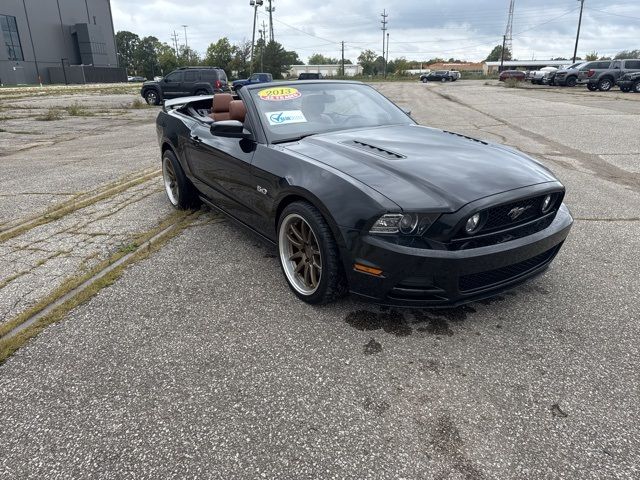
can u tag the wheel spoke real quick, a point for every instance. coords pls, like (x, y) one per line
(296, 256)
(299, 267)
(314, 276)
(307, 275)
(295, 242)
(294, 231)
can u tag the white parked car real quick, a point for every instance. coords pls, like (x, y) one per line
(540, 77)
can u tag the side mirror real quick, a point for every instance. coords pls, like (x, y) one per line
(230, 129)
(408, 112)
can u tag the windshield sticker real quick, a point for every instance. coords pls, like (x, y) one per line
(279, 94)
(286, 117)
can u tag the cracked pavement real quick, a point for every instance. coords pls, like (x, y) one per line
(199, 362)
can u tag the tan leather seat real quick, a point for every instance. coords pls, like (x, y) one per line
(220, 107)
(237, 111)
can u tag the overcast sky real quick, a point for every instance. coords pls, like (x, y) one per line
(418, 29)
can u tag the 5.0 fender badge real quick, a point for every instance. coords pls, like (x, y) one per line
(262, 190)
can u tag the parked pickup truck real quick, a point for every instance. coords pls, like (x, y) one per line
(630, 82)
(255, 78)
(604, 74)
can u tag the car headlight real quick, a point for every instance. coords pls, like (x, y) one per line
(404, 223)
(473, 224)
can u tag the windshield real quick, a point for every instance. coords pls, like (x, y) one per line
(294, 111)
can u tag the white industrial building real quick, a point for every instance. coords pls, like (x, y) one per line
(326, 70)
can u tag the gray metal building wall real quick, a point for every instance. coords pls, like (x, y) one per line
(51, 30)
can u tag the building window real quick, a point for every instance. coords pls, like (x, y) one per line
(11, 37)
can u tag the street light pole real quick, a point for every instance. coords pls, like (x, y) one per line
(575, 51)
(504, 42)
(186, 42)
(255, 4)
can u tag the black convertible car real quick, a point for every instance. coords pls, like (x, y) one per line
(359, 198)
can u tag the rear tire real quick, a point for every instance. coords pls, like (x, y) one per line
(443, 80)
(200, 93)
(309, 255)
(636, 87)
(605, 84)
(152, 97)
(181, 193)
(592, 87)
(424, 80)
(625, 89)
(571, 82)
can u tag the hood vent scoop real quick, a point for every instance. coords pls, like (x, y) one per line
(464, 136)
(381, 152)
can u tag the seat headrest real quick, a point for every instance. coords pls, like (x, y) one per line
(221, 102)
(237, 110)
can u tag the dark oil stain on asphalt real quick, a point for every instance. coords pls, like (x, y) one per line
(372, 347)
(435, 322)
(447, 442)
(378, 408)
(391, 322)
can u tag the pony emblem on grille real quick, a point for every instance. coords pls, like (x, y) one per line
(517, 212)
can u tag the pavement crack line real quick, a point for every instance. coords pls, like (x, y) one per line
(77, 203)
(55, 307)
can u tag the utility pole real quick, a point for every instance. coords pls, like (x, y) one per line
(343, 72)
(255, 4)
(186, 42)
(386, 60)
(271, 9)
(504, 41)
(575, 51)
(263, 33)
(175, 42)
(384, 22)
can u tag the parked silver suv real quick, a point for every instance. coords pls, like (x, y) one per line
(602, 75)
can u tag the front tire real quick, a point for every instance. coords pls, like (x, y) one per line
(625, 89)
(181, 193)
(636, 87)
(201, 93)
(309, 255)
(571, 82)
(424, 80)
(592, 87)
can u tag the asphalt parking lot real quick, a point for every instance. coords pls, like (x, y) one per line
(198, 362)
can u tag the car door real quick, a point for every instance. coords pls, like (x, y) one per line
(189, 80)
(172, 85)
(223, 168)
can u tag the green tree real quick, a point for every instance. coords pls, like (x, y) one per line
(188, 57)
(496, 54)
(319, 59)
(400, 66)
(627, 54)
(220, 54)
(167, 59)
(367, 60)
(239, 65)
(591, 56)
(277, 60)
(127, 43)
(146, 57)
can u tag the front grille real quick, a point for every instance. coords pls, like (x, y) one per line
(508, 222)
(484, 280)
(498, 217)
(503, 237)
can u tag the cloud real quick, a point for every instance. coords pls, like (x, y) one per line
(466, 29)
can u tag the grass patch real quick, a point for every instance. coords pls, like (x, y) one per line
(512, 83)
(58, 211)
(52, 115)
(180, 220)
(138, 104)
(77, 110)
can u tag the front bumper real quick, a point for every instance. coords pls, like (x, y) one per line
(625, 83)
(442, 278)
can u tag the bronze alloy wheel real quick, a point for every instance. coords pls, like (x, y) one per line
(300, 254)
(170, 182)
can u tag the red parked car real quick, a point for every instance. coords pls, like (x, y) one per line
(517, 74)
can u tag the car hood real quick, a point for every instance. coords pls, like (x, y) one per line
(151, 82)
(424, 169)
